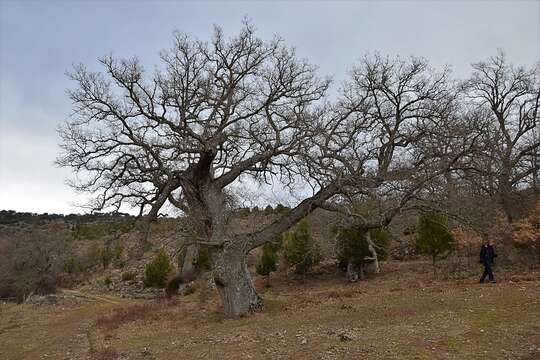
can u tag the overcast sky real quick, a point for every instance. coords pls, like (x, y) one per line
(40, 40)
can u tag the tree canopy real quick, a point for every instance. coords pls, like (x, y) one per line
(215, 113)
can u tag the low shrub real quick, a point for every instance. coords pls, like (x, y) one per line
(299, 248)
(72, 265)
(268, 260)
(353, 245)
(155, 273)
(433, 237)
(128, 276)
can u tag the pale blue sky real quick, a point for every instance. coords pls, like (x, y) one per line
(39, 40)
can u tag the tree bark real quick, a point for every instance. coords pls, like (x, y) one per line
(361, 272)
(371, 247)
(233, 281)
(509, 205)
(506, 192)
(352, 272)
(188, 267)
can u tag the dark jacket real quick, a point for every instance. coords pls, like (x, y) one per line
(487, 254)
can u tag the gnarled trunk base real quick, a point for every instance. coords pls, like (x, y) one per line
(233, 281)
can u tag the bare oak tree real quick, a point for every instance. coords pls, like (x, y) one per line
(244, 108)
(413, 133)
(508, 97)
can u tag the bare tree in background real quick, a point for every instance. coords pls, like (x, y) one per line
(508, 97)
(414, 137)
(244, 108)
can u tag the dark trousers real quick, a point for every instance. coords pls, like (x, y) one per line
(487, 272)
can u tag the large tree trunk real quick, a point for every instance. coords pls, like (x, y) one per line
(508, 199)
(508, 205)
(233, 281)
(188, 270)
(231, 275)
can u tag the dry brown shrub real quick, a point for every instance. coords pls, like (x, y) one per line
(526, 235)
(527, 230)
(129, 313)
(465, 239)
(31, 262)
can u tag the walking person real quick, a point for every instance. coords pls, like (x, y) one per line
(487, 255)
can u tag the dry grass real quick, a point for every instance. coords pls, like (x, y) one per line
(400, 314)
(151, 310)
(104, 354)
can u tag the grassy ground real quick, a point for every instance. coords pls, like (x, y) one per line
(400, 314)
(50, 331)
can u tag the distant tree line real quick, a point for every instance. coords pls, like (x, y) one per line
(8, 217)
